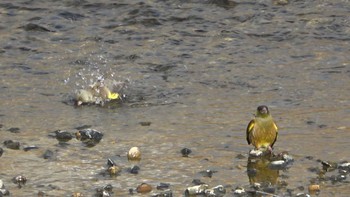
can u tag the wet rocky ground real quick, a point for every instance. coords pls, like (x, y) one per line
(194, 73)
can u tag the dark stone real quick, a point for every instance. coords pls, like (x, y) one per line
(63, 136)
(207, 173)
(145, 123)
(185, 152)
(28, 148)
(35, 27)
(20, 180)
(1, 151)
(167, 193)
(48, 154)
(110, 162)
(240, 156)
(197, 182)
(12, 145)
(13, 130)
(90, 137)
(163, 186)
(83, 127)
(134, 169)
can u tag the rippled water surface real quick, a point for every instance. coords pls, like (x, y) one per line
(196, 70)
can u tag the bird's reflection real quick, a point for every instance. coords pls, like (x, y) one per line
(259, 171)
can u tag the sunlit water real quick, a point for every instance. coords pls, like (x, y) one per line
(196, 70)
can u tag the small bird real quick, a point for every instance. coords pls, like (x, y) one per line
(262, 131)
(94, 95)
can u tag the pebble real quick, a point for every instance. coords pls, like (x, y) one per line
(12, 144)
(134, 169)
(344, 166)
(105, 191)
(144, 188)
(77, 194)
(90, 137)
(256, 153)
(63, 136)
(313, 189)
(279, 164)
(14, 130)
(217, 191)
(207, 173)
(163, 186)
(4, 192)
(48, 154)
(166, 193)
(114, 170)
(145, 123)
(31, 147)
(20, 180)
(195, 190)
(185, 152)
(239, 191)
(134, 154)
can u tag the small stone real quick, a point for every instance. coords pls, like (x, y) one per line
(20, 180)
(63, 136)
(166, 193)
(48, 154)
(77, 194)
(134, 154)
(279, 164)
(13, 130)
(240, 156)
(208, 173)
(344, 166)
(90, 137)
(302, 195)
(239, 191)
(1, 184)
(195, 190)
(28, 148)
(114, 170)
(217, 191)
(41, 194)
(185, 152)
(106, 191)
(287, 158)
(197, 182)
(110, 162)
(280, 2)
(163, 186)
(1, 151)
(12, 144)
(134, 169)
(145, 123)
(328, 166)
(256, 153)
(144, 188)
(313, 189)
(4, 192)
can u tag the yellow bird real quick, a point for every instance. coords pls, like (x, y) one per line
(262, 131)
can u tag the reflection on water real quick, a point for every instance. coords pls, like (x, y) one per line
(194, 69)
(259, 171)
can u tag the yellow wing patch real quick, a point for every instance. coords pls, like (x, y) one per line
(275, 126)
(113, 96)
(249, 129)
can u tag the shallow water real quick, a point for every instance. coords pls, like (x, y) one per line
(196, 70)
